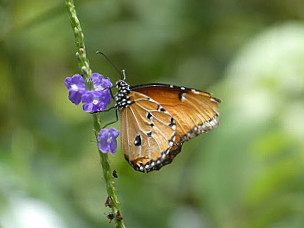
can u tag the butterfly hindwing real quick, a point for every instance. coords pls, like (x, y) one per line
(148, 132)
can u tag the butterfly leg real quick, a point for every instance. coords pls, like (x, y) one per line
(109, 109)
(111, 93)
(112, 121)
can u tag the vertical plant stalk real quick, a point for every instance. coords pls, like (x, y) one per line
(85, 68)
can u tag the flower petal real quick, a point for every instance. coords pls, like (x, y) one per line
(68, 82)
(107, 139)
(87, 97)
(113, 146)
(103, 146)
(114, 132)
(107, 83)
(88, 107)
(75, 97)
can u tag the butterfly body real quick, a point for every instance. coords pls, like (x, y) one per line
(156, 119)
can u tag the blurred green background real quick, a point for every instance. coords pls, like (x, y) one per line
(248, 173)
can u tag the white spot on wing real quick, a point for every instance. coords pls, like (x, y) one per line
(214, 100)
(183, 98)
(195, 91)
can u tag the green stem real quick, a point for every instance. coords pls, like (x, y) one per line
(79, 41)
(85, 68)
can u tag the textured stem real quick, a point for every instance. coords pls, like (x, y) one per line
(85, 68)
(79, 41)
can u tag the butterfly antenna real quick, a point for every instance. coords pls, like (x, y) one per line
(124, 74)
(113, 65)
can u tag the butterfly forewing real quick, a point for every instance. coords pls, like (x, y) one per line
(148, 132)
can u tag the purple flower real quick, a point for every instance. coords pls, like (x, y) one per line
(76, 86)
(100, 83)
(107, 140)
(95, 101)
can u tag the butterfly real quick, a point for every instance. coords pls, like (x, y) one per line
(156, 119)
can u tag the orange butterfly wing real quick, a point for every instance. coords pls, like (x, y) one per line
(147, 132)
(194, 112)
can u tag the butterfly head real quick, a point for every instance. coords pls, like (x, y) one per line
(122, 85)
(121, 98)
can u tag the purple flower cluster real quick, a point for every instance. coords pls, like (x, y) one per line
(93, 100)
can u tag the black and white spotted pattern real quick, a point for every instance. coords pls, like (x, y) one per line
(122, 100)
(150, 138)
